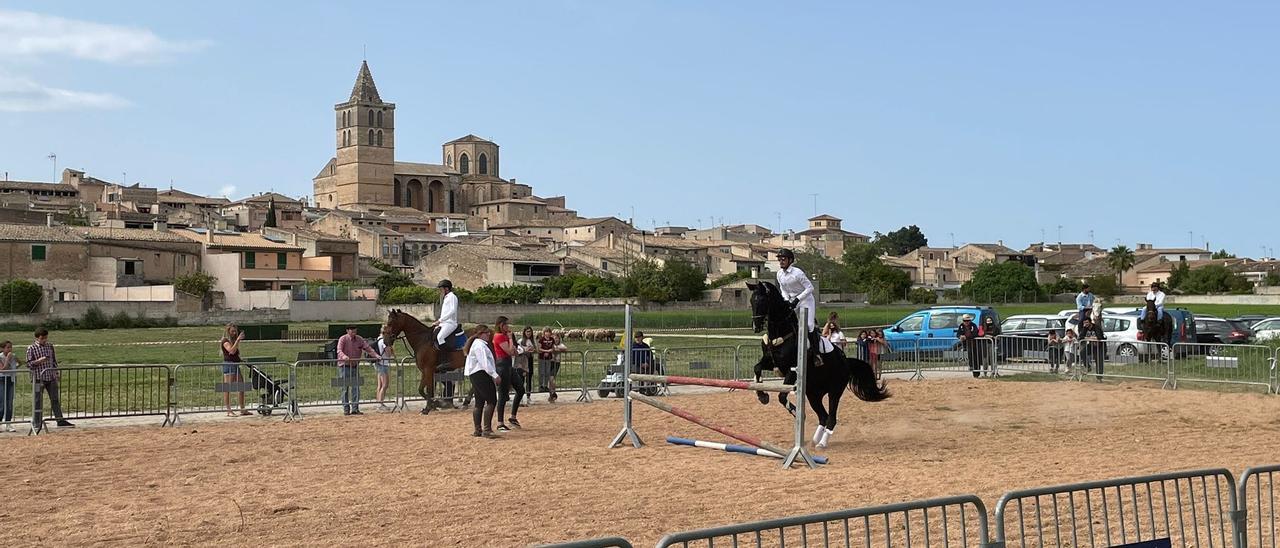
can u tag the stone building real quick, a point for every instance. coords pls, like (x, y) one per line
(365, 175)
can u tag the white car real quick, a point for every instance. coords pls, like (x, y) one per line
(1122, 335)
(1267, 329)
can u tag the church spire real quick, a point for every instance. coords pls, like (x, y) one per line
(365, 90)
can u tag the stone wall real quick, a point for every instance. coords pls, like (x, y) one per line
(1172, 300)
(426, 313)
(332, 311)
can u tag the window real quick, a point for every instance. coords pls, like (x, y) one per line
(370, 119)
(911, 324)
(37, 252)
(346, 139)
(1012, 324)
(250, 259)
(1036, 323)
(386, 250)
(464, 164)
(379, 118)
(282, 261)
(1114, 324)
(379, 137)
(344, 118)
(371, 137)
(484, 164)
(448, 160)
(395, 250)
(130, 268)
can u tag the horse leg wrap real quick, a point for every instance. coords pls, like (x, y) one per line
(818, 434)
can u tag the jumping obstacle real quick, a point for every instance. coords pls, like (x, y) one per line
(686, 415)
(730, 448)
(740, 385)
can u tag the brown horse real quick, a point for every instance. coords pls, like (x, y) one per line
(421, 338)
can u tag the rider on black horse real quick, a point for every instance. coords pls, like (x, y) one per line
(798, 291)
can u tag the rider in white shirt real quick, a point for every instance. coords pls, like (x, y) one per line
(448, 320)
(796, 288)
(1158, 296)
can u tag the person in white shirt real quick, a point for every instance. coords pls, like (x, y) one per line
(483, 373)
(386, 348)
(448, 320)
(1158, 297)
(796, 288)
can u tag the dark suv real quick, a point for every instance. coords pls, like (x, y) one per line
(1220, 331)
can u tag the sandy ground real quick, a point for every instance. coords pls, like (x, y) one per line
(410, 479)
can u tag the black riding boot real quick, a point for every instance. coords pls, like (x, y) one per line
(815, 349)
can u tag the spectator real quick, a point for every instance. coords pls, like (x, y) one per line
(831, 331)
(1070, 345)
(43, 363)
(1084, 302)
(386, 348)
(526, 349)
(548, 362)
(864, 346)
(989, 329)
(1054, 346)
(230, 346)
(352, 347)
(8, 365)
(504, 351)
(482, 372)
(641, 355)
(876, 346)
(967, 334)
(1094, 346)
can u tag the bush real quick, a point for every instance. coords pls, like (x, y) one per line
(729, 278)
(19, 297)
(508, 294)
(577, 285)
(993, 281)
(381, 265)
(921, 295)
(121, 320)
(196, 283)
(391, 280)
(1104, 286)
(880, 296)
(1215, 278)
(1060, 286)
(410, 295)
(94, 319)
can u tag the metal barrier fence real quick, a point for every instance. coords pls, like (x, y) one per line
(958, 521)
(1032, 355)
(114, 391)
(1243, 364)
(950, 354)
(263, 387)
(1259, 525)
(324, 383)
(17, 399)
(1122, 359)
(1196, 508)
(712, 362)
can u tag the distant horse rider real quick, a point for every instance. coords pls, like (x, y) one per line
(1084, 303)
(796, 288)
(448, 321)
(1155, 296)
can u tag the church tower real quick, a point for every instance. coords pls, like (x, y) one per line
(364, 170)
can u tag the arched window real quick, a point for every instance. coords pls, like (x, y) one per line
(371, 136)
(464, 164)
(448, 160)
(396, 194)
(344, 118)
(379, 137)
(379, 118)
(369, 121)
(484, 164)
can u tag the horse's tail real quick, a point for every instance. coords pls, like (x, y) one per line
(863, 382)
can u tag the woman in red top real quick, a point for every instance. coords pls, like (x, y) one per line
(504, 349)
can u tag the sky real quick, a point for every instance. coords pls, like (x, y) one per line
(1110, 122)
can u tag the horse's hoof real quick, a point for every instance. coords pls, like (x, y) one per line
(763, 397)
(426, 411)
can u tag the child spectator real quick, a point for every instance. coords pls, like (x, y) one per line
(8, 366)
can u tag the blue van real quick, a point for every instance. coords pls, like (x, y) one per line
(934, 327)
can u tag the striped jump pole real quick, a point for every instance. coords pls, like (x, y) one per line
(740, 385)
(686, 415)
(730, 448)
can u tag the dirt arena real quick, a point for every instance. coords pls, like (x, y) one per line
(409, 479)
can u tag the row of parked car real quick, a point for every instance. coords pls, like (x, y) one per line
(934, 328)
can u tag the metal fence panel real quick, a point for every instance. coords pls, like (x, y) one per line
(18, 397)
(1122, 359)
(203, 388)
(1194, 508)
(951, 521)
(89, 392)
(1259, 499)
(711, 362)
(322, 383)
(1242, 364)
(950, 354)
(1030, 355)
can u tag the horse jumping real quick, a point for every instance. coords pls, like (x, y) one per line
(773, 316)
(421, 339)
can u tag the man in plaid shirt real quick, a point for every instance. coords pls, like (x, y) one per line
(43, 364)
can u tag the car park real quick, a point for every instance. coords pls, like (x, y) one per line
(1210, 330)
(1268, 329)
(933, 328)
(1028, 333)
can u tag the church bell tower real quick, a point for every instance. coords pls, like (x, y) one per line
(364, 172)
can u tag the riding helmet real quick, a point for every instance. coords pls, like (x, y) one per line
(445, 284)
(786, 254)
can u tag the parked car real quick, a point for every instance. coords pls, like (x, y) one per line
(1211, 330)
(1028, 332)
(1184, 324)
(1267, 329)
(1249, 319)
(933, 328)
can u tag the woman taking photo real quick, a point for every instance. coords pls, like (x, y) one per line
(230, 346)
(482, 373)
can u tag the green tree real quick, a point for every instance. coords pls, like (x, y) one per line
(1222, 254)
(391, 280)
(1001, 280)
(1104, 286)
(196, 283)
(1062, 285)
(1178, 276)
(508, 294)
(20, 297)
(410, 294)
(1120, 259)
(901, 241)
(684, 281)
(1215, 278)
(1273, 279)
(921, 295)
(644, 281)
(866, 273)
(827, 274)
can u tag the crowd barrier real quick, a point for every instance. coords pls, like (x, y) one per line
(266, 389)
(20, 388)
(1192, 508)
(113, 391)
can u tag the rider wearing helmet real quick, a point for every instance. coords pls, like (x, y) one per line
(448, 320)
(1156, 296)
(796, 288)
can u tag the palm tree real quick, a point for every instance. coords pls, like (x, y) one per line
(1120, 259)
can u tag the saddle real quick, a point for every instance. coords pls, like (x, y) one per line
(450, 343)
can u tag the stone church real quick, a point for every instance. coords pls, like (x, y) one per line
(366, 176)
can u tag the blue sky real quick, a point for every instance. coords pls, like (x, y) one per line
(977, 121)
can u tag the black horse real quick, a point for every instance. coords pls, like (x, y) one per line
(1154, 330)
(774, 316)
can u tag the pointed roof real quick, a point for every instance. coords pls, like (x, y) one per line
(470, 138)
(365, 90)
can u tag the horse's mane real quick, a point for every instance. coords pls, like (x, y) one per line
(412, 319)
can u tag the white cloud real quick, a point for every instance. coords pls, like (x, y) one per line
(19, 94)
(227, 191)
(28, 34)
